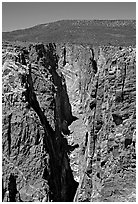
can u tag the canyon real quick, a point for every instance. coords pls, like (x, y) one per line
(69, 123)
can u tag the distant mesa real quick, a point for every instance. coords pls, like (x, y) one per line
(95, 32)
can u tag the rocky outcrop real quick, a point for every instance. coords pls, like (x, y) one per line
(101, 83)
(35, 149)
(39, 134)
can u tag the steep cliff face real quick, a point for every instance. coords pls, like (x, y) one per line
(101, 83)
(36, 115)
(45, 149)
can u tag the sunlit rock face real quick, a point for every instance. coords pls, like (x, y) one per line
(36, 116)
(101, 83)
(69, 116)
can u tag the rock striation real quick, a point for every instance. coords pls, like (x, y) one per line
(69, 123)
(35, 108)
(103, 90)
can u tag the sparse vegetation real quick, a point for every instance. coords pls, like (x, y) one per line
(96, 32)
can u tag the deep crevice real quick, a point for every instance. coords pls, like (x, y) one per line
(61, 182)
(9, 134)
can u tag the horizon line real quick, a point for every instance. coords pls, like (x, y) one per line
(69, 20)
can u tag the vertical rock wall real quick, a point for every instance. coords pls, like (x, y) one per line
(104, 90)
(100, 83)
(35, 108)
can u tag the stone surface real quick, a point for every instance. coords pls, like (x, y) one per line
(106, 98)
(35, 105)
(38, 125)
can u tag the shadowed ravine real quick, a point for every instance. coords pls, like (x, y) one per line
(69, 123)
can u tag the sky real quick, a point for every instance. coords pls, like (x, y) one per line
(19, 15)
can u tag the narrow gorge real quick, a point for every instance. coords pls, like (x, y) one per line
(69, 123)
